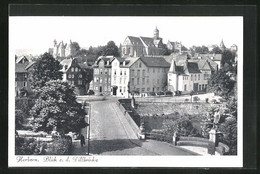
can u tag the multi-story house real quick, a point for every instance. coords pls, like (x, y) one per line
(22, 68)
(102, 75)
(174, 46)
(139, 74)
(74, 74)
(142, 46)
(193, 75)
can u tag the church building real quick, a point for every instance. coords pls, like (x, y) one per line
(142, 46)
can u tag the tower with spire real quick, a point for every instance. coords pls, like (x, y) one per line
(156, 33)
(222, 45)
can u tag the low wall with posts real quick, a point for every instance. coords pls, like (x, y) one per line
(129, 119)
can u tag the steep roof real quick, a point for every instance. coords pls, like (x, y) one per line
(192, 67)
(155, 62)
(214, 57)
(64, 63)
(20, 67)
(19, 59)
(176, 69)
(29, 65)
(129, 61)
(148, 41)
(84, 66)
(105, 59)
(135, 40)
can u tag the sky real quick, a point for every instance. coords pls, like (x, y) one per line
(36, 34)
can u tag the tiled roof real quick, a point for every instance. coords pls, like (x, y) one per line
(135, 40)
(155, 62)
(65, 62)
(84, 66)
(193, 67)
(20, 67)
(29, 65)
(20, 58)
(216, 57)
(129, 61)
(148, 41)
(105, 59)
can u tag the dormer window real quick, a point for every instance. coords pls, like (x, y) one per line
(66, 67)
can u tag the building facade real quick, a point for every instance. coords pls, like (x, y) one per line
(193, 75)
(142, 46)
(174, 46)
(102, 75)
(140, 75)
(73, 74)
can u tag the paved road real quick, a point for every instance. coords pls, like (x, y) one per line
(111, 134)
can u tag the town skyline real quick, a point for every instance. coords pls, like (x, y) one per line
(38, 38)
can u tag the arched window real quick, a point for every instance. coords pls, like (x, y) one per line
(76, 69)
(72, 69)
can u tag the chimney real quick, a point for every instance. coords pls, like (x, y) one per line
(123, 63)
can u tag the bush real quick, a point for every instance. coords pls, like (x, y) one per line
(168, 93)
(152, 93)
(186, 100)
(60, 146)
(90, 92)
(196, 98)
(27, 146)
(177, 93)
(19, 118)
(160, 93)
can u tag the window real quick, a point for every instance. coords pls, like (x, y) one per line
(147, 81)
(191, 77)
(66, 67)
(183, 77)
(69, 76)
(199, 87)
(198, 76)
(138, 73)
(137, 81)
(132, 80)
(120, 89)
(80, 75)
(195, 77)
(132, 72)
(115, 72)
(143, 73)
(72, 69)
(124, 72)
(79, 70)
(72, 82)
(96, 88)
(185, 87)
(25, 75)
(79, 82)
(138, 89)
(143, 89)
(105, 71)
(97, 79)
(148, 89)
(143, 81)
(100, 71)
(96, 71)
(76, 69)
(105, 80)
(72, 76)
(124, 89)
(109, 80)
(100, 79)
(140, 65)
(109, 72)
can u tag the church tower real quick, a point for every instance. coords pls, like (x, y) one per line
(156, 34)
(222, 45)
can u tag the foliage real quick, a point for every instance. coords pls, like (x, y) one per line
(76, 46)
(182, 126)
(160, 93)
(165, 51)
(27, 146)
(228, 57)
(91, 92)
(196, 98)
(60, 146)
(152, 93)
(216, 50)
(45, 68)
(229, 129)
(19, 117)
(56, 108)
(23, 92)
(168, 93)
(111, 49)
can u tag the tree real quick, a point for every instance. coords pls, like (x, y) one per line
(45, 68)
(204, 49)
(227, 58)
(216, 50)
(198, 50)
(56, 108)
(76, 46)
(111, 49)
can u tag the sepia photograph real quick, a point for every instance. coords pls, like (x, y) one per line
(125, 91)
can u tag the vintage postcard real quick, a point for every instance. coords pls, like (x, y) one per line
(125, 91)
